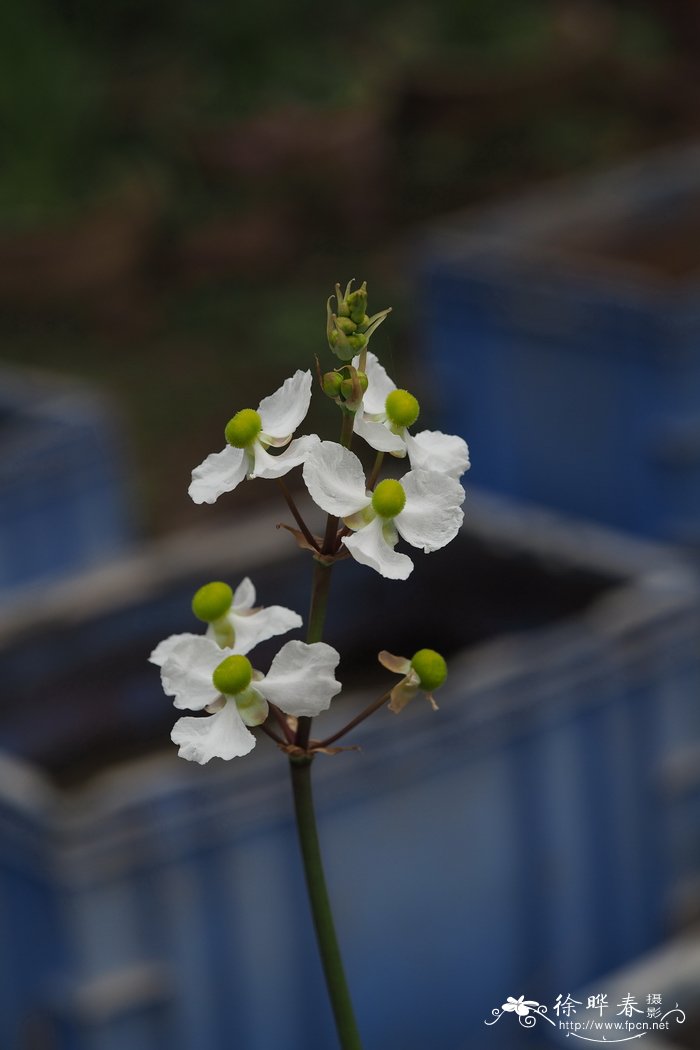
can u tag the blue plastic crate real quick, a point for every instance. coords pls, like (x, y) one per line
(563, 336)
(62, 492)
(530, 835)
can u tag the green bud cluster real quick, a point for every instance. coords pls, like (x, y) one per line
(346, 386)
(349, 328)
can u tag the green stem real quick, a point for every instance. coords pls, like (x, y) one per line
(376, 470)
(300, 767)
(346, 1025)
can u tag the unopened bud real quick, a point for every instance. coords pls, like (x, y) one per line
(347, 385)
(345, 325)
(357, 304)
(358, 342)
(332, 383)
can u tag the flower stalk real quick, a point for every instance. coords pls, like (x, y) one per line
(210, 674)
(300, 769)
(348, 1034)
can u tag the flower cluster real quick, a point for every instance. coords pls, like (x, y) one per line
(367, 518)
(212, 673)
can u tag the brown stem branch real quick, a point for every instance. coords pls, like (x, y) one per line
(374, 706)
(289, 499)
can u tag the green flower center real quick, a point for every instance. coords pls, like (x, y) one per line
(402, 408)
(430, 668)
(243, 428)
(389, 498)
(211, 601)
(233, 675)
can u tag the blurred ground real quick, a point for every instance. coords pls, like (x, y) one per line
(183, 183)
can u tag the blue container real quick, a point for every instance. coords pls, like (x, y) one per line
(31, 950)
(563, 333)
(62, 496)
(521, 840)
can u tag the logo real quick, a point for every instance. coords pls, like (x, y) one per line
(599, 1021)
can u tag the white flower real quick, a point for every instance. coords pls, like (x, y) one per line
(428, 450)
(520, 1006)
(249, 434)
(201, 676)
(423, 508)
(240, 627)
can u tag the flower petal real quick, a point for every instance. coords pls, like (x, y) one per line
(369, 546)
(378, 435)
(186, 673)
(163, 650)
(282, 412)
(335, 480)
(432, 515)
(301, 679)
(244, 595)
(395, 664)
(433, 450)
(222, 735)
(267, 466)
(379, 385)
(220, 472)
(265, 623)
(402, 694)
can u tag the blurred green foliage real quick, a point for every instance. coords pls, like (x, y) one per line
(114, 106)
(89, 88)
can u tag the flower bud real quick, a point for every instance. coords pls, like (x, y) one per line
(430, 668)
(212, 601)
(243, 428)
(332, 383)
(349, 328)
(346, 386)
(357, 304)
(345, 325)
(357, 342)
(341, 299)
(402, 408)
(233, 675)
(389, 498)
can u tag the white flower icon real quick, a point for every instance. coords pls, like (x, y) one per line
(201, 676)
(249, 434)
(521, 1006)
(423, 508)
